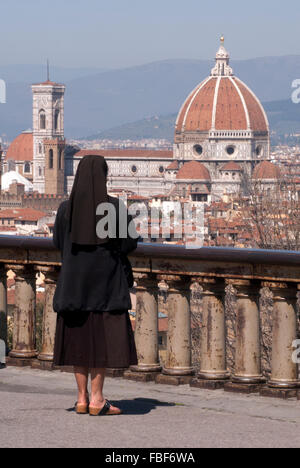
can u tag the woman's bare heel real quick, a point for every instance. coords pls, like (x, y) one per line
(82, 409)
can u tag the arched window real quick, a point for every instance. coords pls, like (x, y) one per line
(56, 119)
(40, 172)
(51, 159)
(42, 119)
(27, 168)
(40, 148)
(60, 159)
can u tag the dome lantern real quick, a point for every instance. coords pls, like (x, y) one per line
(222, 67)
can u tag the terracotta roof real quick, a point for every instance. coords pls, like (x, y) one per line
(193, 170)
(173, 166)
(47, 83)
(8, 229)
(266, 170)
(229, 106)
(160, 196)
(118, 153)
(22, 214)
(21, 149)
(137, 197)
(231, 166)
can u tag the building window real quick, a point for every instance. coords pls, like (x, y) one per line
(40, 148)
(198, 149)
(230, 150)
(161, 169)
(60, 159)
(27, 168)
(259, 150)
(134, 169)
(56, 119)
(51, 159)
(40, 172)
(42, 119)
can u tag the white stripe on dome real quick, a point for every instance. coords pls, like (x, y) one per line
(213, 123)
(258, 102)
(243, 102)
(197, 91)
(185, 101)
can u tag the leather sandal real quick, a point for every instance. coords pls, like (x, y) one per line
(104, 411)
(82, 409)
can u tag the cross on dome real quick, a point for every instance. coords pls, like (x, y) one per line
(222, 67)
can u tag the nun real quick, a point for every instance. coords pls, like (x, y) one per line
(92, 297)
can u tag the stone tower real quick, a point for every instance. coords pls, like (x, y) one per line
(54, 166)
(48, 124)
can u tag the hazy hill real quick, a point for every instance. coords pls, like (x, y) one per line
(152, 127)
(104, 100)
(284, 117)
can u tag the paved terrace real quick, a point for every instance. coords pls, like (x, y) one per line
(36, 411)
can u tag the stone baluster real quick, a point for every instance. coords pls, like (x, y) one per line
(3, 304)
(248, 333)
(213, 331)
(284, 370)
(24, 312)
(146, 323)
(178, 360)
(49, 316)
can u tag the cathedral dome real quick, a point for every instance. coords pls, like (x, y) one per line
(21, 149)
(266, 170)
(222, 102)
(193, 170)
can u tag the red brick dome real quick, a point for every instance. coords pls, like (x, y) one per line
(193, 170)
(266, 170)
(222, 102)
(21, 149)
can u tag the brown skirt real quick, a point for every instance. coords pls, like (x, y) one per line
(94, 340)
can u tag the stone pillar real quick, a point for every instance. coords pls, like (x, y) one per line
(49, 316)
(213, 331)
(284, 370)
(178, 361)
(146, 323)
(24, 312)
(3, 304)
(248, 332)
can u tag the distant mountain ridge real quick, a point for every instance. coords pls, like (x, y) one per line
(104, 100)
(284, 117)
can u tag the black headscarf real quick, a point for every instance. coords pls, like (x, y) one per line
(89, 190)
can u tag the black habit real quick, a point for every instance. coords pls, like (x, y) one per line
(92, 296)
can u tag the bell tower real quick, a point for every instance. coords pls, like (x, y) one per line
(48, 124)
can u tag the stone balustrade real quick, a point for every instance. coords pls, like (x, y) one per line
(210, 269)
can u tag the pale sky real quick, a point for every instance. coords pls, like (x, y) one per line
(123, 33)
